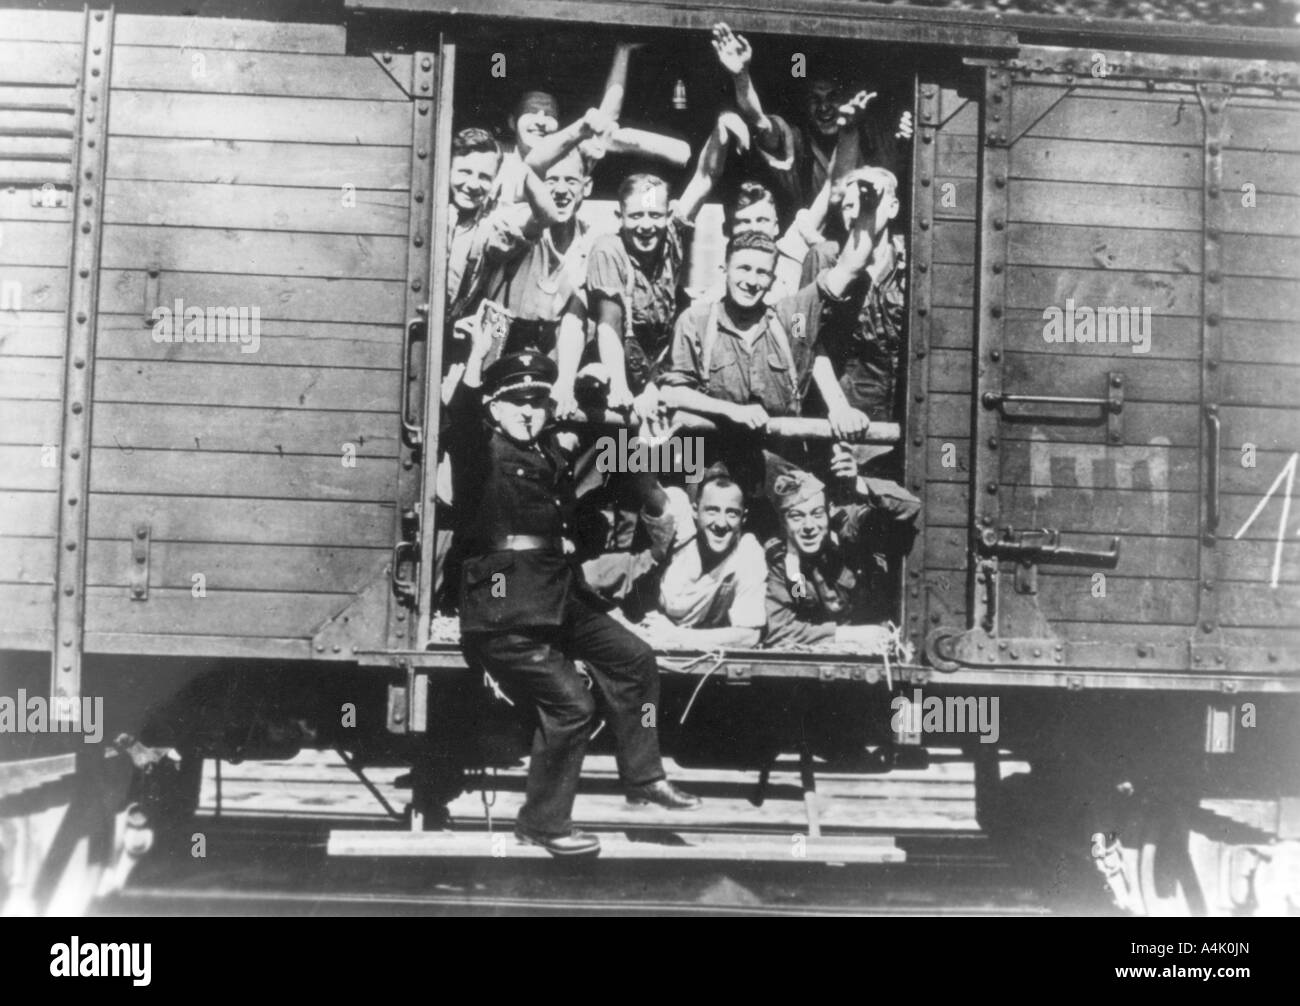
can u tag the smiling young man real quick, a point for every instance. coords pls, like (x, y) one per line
(713, 587)
(525, 612)
(827, 573)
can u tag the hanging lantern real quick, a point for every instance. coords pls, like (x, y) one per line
(679, 95)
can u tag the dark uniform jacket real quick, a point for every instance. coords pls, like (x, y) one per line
(503, 488)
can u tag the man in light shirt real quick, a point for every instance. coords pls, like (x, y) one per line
(712, 592)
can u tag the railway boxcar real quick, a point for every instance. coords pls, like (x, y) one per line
(223, 251)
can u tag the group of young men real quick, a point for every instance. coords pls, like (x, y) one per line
(770, 541)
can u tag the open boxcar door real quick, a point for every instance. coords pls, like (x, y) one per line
(1135, 423)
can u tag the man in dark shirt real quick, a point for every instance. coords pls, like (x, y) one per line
(828, 573)
(526, 614)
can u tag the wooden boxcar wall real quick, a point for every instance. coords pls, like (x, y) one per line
(250, 165)
(1164, 185)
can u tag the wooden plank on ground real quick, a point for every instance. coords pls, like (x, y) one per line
(693, 846)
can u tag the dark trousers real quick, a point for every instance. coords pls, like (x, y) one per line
(535, 665)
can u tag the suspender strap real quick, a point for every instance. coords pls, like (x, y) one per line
(774, 326)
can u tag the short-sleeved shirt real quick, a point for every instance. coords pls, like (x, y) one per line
(729, 594)
(863, 337)
(654, 296)
(745, 366)
(539, 282)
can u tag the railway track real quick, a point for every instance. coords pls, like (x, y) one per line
(266, 831)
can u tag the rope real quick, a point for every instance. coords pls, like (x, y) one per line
(491, 682)
(719, 657)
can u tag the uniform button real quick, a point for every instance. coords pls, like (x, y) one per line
(519, 471)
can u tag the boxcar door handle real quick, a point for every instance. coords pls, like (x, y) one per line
(414, 434)
(1212, 498)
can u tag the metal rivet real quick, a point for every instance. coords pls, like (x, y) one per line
(1211, 320)
(1207, 626)
(78, 362)
(72, 501)
(81, 317)
(68, 591)
(416, 284)
(1000, 181)
(94, 72)
(419, 197)
(387, 57)
(1212, 276)
(999, 223)
(426, 63)
(140, 559)
(995, 355)
(418, 241)
(423, 109)
(925, 223)
(918, 441)
(919, 397)
(422, 153)
(992, 487)
(85, 228)
(141, 532)
(71, 546)
(75, 453)
(996, 311)
(925, 180)
(993, 443)
(922, 310)
(83, 273)
(76, 408)
(997, 268)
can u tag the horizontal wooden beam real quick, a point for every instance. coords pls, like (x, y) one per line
(967, 29)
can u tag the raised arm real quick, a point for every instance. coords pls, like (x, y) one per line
(711, 162)
(735, 55)
(552, 148)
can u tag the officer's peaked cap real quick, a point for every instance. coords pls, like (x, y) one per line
(517, 372)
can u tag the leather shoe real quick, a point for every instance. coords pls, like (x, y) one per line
(664, 794)
(575, 843)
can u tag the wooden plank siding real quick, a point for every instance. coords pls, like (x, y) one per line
(954, 200)
(1105, 207)
(40, 63)
(251, 165)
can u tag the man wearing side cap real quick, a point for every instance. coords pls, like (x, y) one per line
(827, 577)
(526, 613)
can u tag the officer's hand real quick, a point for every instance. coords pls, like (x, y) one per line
(752, 417)
(848, 424)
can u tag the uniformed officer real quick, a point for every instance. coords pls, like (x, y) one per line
(827, 577)
(526, 613)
